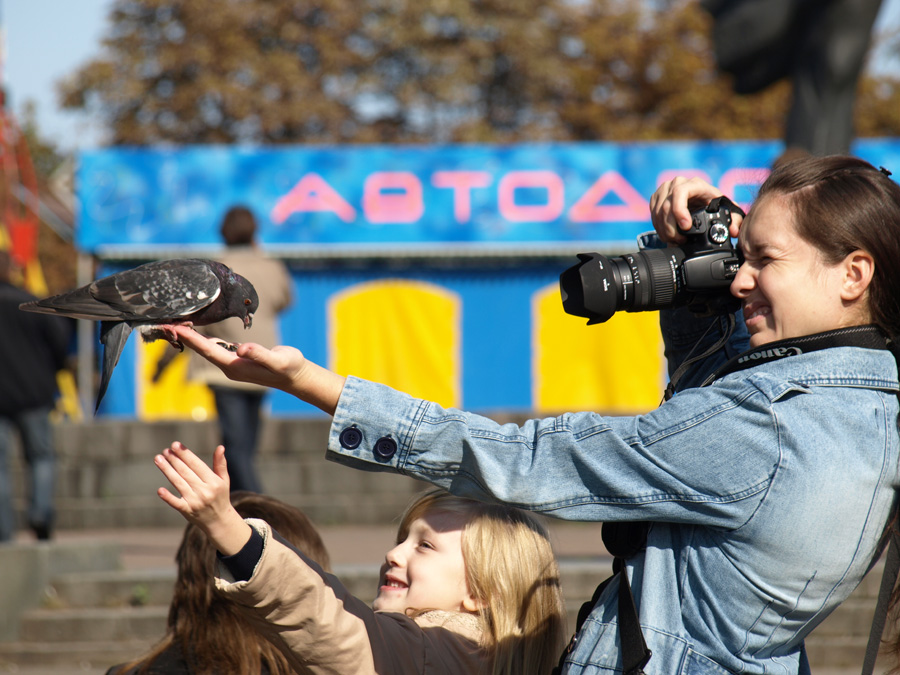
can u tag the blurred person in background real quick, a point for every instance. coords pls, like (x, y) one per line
(33, 348)
(238, 404)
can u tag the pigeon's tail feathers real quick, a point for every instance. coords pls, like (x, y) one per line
(113, 335)
(77, 304)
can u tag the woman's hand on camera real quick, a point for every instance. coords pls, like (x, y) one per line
(280, 367)
(671, 205)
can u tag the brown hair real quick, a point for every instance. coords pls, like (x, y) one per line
(511, 569)
(238, 226)
(211, 634)
(842, 204)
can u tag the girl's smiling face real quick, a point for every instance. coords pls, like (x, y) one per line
(426, 570)
(786, 286)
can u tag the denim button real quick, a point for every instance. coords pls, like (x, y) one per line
(350, 438)
(385, 448)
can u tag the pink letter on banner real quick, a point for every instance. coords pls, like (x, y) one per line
(589, 210)
(462, 183)
(506, 196)
(749, 178)
(403, 204)
(312, 193)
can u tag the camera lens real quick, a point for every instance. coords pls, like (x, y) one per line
(598, 286)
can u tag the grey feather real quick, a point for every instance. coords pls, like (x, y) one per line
(163, 292)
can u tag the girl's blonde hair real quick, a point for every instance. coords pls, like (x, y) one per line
(512, 571)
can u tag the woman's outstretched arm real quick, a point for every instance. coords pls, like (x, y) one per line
(281, 367)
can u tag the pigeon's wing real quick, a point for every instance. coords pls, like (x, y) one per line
(77, 304)
(162, 290)
(113, 335)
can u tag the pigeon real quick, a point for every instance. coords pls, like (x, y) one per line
(189, 291)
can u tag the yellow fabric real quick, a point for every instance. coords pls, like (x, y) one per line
(35, 282)
(616, 367)
(405, 334)
(173, 396)
(68, 406)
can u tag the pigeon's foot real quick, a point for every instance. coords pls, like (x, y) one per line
(161, 332)
(230, 346)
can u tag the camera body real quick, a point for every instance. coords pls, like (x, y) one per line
(697, 274)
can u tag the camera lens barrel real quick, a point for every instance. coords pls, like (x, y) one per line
(697, 274)
(655, 279)
(598, 286)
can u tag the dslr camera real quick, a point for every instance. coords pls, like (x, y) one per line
(696, 274)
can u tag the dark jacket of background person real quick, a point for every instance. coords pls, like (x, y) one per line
(33, 349)
(206, 633)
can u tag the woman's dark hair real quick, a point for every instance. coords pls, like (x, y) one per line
(238, 226)
(843, 204)
(205, 627)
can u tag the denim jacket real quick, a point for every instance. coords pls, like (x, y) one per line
(769, 491)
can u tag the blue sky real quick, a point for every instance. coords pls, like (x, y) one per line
(45, 40)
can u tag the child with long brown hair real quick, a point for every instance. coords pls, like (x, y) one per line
(207, 633)
(469, 588)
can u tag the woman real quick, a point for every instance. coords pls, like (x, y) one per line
(769, 487)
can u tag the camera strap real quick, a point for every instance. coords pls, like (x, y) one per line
(693, 358)
(866, 337)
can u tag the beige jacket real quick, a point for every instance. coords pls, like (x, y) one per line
(273, 285)
(321, 628)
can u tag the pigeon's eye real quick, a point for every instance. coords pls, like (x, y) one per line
(247, 302)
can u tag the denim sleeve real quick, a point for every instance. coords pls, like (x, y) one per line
(705, 457)
(686, 335)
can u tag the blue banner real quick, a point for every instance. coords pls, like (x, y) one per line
(397, 196)
(406, 197)
(582, 196)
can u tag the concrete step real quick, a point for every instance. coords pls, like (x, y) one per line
(106, 478)
(65, 658)
(93, 624)
(125, 588)
(92, 620)
(89, 620)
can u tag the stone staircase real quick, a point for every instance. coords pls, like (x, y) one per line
(67, 609)
(89, 620)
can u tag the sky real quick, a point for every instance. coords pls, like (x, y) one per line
(43, 42)
(46, 40)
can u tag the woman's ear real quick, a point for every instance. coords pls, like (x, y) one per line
(472, 604)
(859, 268)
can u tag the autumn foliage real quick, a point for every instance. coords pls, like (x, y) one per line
(408, 71)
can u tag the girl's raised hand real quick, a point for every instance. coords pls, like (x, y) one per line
(204, 496)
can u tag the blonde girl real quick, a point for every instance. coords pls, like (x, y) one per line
(469, 588)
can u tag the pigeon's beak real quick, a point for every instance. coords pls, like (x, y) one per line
(248, 320)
